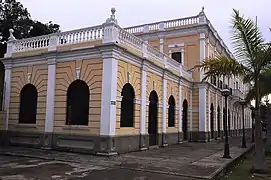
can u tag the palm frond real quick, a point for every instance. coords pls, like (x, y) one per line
(222, 66)
(264, 85)
(263, 57)
(246, 39)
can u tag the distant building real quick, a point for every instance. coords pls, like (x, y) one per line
(108, 90)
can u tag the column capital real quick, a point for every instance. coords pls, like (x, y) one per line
(161, 40)
(180, 82)
(202, 36)
(51, 61)
(145, 65)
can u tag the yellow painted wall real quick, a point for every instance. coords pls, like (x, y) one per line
(173, 89)
(30, 52)
(135, 80)
(155, 82)
(2, 120)
(19, 79)
(155, 43)
(195, 113)
(91, 73)
(192, 58)
(79, 45)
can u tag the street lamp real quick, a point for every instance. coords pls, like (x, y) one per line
(243, 103)
(252, 123)
(226, 93)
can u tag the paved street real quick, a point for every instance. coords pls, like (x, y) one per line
(182, 162)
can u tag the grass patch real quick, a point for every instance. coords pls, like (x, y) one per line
(243, 170)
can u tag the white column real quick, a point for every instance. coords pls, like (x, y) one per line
(209, 109)
(215, 108)
(182, 56)
(202, 53)
(109, 94)
(50, 98)
(222, 114)
(7, 87)
(180, 128)
(143, 101)
(161, 45)
(170, 53)
(202, 109)
(164, 113)
(191, 113)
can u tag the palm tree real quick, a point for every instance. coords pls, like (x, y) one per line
(265, 88)
(253, 63)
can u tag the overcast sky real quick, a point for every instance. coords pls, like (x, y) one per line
(71, 14)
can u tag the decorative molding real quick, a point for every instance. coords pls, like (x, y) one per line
(77, 71)
(176, 45)
(128, 77)
(29, 77)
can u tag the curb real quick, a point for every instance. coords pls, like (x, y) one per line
(222, 171)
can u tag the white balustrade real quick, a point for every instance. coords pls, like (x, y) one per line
(64, 38)
(135, 29)
(130, 40)
(168, 24)
(80, 35)
(32, 43)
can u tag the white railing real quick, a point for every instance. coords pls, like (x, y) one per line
(186, 72)
(130, 40)
(64, 38)
(32, 43)
(163, 25)
(80, 35)
(182, 22)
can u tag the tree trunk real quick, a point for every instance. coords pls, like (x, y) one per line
(259, 159)
(268, 143)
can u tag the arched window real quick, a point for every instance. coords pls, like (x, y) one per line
(77, 103)
(28, 104)
(171, 112)
(127, 106)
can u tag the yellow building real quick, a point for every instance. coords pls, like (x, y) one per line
(107, 90)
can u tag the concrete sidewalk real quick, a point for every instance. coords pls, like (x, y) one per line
(183, 161)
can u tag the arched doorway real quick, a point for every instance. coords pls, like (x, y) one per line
(28, 104)
(153, 122)
(77, 103)
(171, 112)
(127, 106)
(218, 121)
(212, 120)
(185, 115)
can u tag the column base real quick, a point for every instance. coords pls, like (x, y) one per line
(180, 137)
(202, 136)
(144, 142)
(164, 141)
(107, 146)
(4, 138)
(47, 141)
